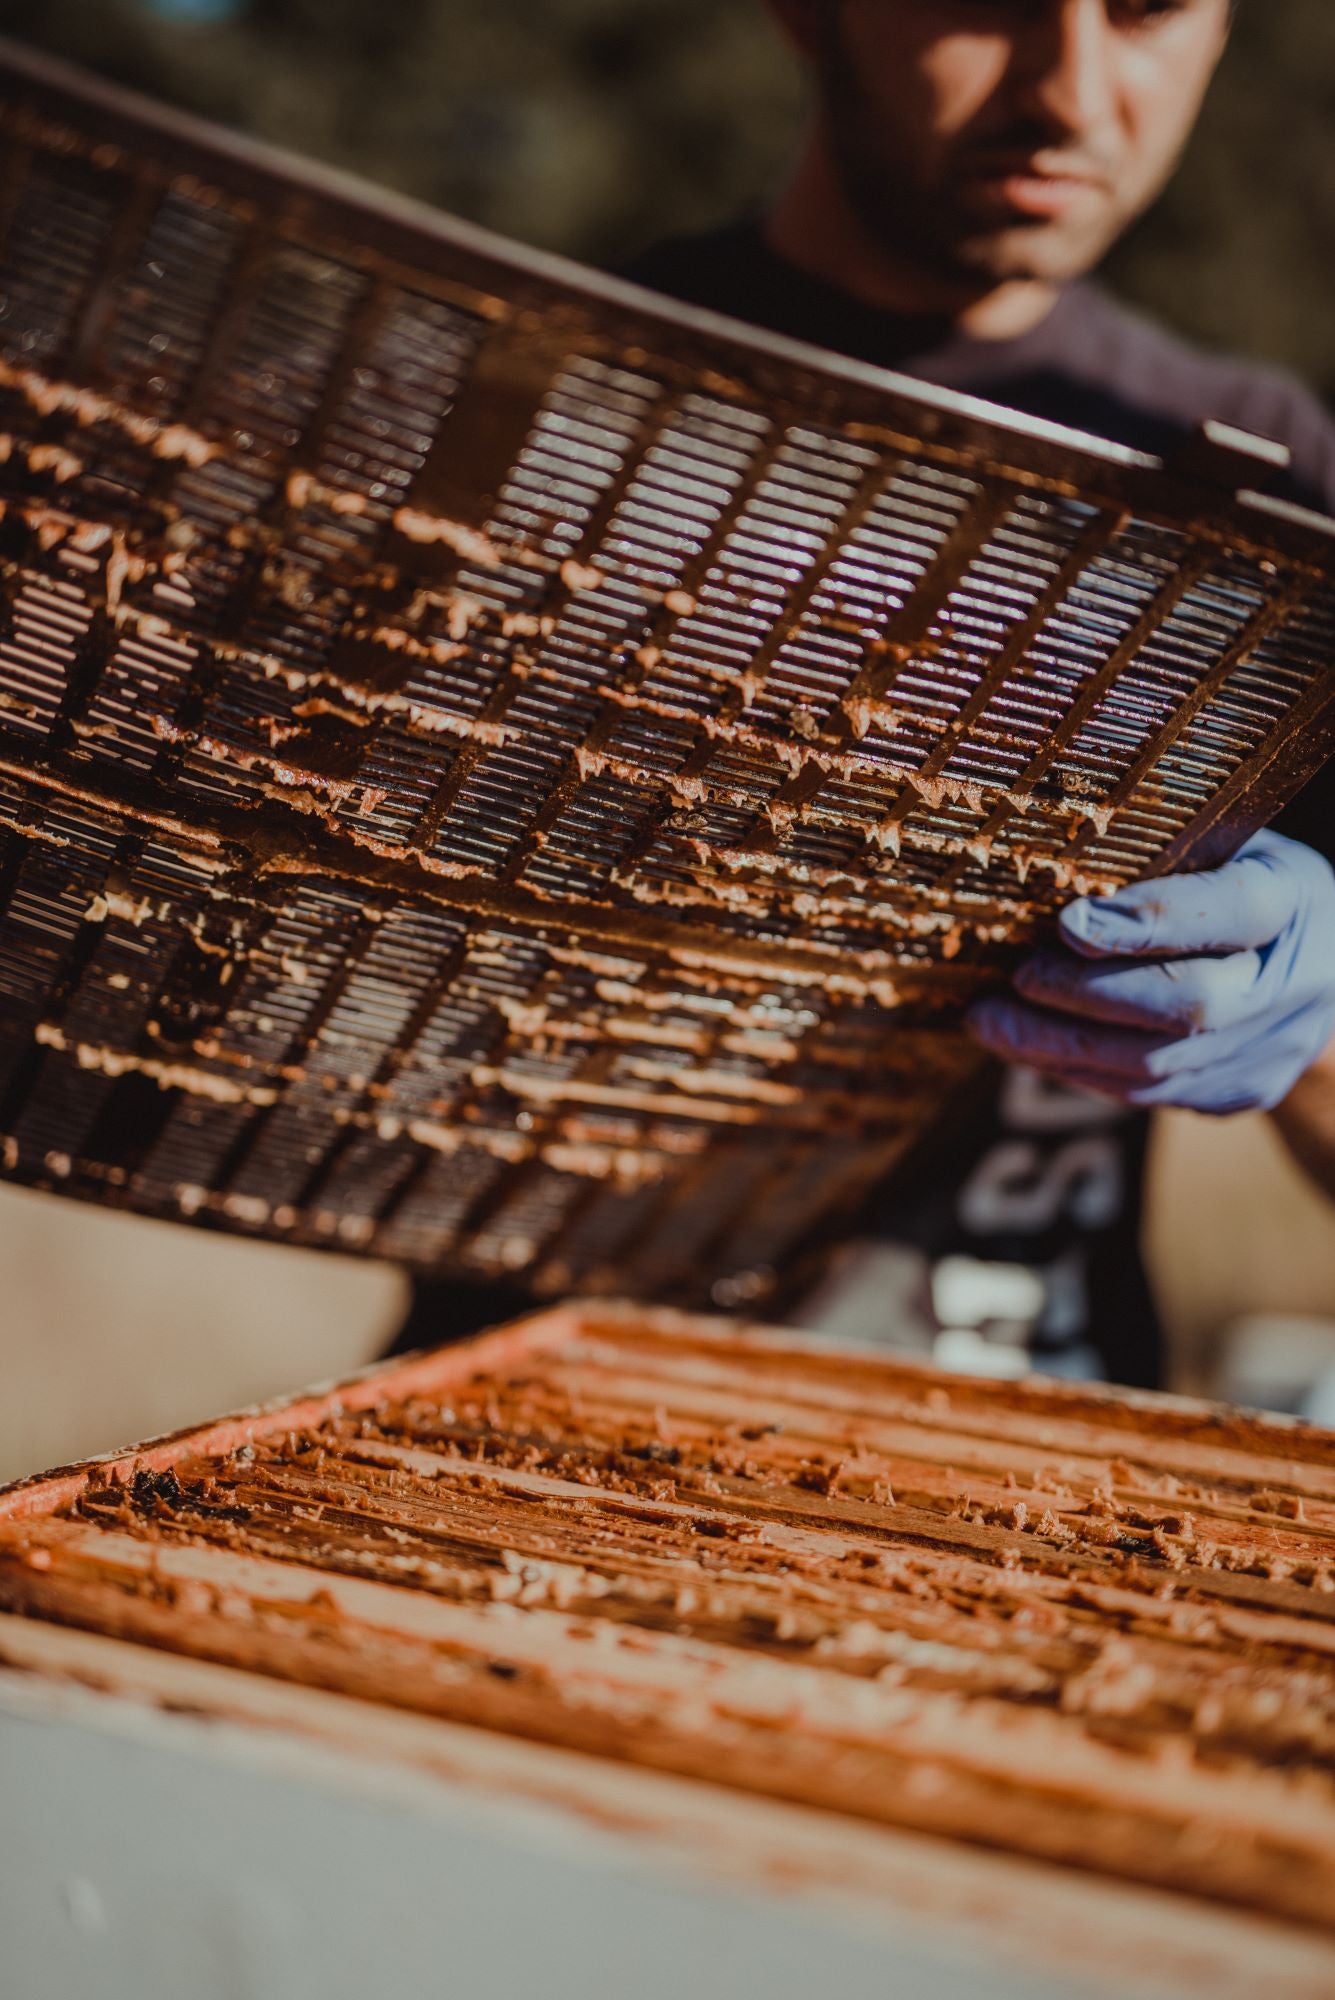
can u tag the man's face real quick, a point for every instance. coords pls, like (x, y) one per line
(992, 140)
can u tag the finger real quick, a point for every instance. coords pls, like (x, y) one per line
(1175, 1093)
(1237, 1069)
(1202, 1090)
(1174, 996)
(1231, 1084)
(1243, 906)
(1063, 1043)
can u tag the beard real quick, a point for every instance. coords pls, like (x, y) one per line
(927, 222)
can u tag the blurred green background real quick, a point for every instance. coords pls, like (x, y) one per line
(594, 126)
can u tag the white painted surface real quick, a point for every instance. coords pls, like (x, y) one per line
(162, 1857)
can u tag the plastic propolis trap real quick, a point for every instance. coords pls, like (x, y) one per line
(505, 773)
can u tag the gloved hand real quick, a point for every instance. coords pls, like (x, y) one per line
(1214, 992)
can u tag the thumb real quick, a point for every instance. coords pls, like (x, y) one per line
(1243, 906)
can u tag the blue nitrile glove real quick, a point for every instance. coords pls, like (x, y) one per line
(1214, 992)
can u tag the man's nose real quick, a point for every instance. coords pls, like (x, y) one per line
(1065, 64)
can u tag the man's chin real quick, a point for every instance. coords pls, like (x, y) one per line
(1028, 255)
(965, 254)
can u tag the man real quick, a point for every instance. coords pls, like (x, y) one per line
(967, 163)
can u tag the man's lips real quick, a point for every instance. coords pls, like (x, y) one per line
(1025, 186)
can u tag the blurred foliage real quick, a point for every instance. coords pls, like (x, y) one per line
(593, 126)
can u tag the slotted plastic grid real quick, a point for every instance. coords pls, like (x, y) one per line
(500, 772)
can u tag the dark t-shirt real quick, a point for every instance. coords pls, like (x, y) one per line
(1026, 1217)
(1092, 363)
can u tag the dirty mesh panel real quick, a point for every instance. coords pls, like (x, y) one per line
(506, 774)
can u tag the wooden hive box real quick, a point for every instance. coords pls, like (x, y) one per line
(919, 1683)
